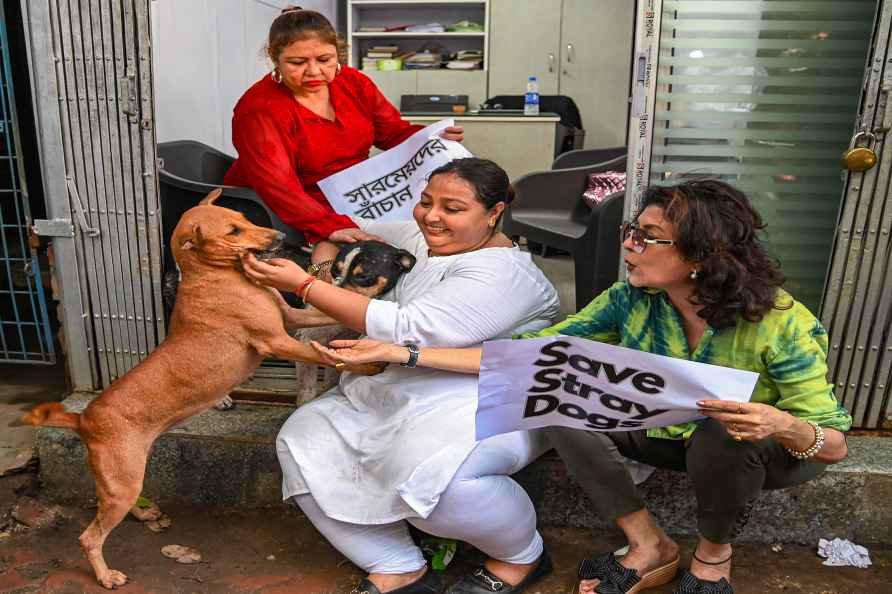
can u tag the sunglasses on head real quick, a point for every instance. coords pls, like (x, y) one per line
(639, 238)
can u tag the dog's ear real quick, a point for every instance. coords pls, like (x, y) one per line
(196, 239)
(405, 260)
(209, 199)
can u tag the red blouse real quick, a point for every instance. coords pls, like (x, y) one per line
(284, 149)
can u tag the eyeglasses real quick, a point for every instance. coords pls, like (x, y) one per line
(640, 240)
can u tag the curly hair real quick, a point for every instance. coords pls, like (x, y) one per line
(716, 227)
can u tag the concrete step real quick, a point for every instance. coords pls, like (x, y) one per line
(228, 458)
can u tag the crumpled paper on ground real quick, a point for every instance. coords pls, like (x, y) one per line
(841, 553)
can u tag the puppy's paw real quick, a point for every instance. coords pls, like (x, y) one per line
(367, 368)
(226, 404)
(111, 579)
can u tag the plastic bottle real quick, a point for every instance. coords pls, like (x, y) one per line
(531, 99)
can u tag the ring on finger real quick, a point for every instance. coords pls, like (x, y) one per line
(734, 430)
(340, 365)
(739, 408)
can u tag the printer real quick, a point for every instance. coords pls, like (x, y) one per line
(434, 103)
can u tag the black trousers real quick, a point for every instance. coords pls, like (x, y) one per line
(727, 474)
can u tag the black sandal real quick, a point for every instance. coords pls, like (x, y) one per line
(691, 584)
(616, 579)
(483, 581)
(429, 583)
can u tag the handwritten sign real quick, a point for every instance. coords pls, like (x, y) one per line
(573, 382)
(387, 186)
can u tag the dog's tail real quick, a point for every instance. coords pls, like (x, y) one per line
(51, 414)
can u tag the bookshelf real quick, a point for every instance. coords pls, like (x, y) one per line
(377, 14)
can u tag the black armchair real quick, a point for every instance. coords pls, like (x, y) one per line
(187, 171)
(581, 157)
(549, 210)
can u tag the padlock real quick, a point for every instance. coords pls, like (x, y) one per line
(860, 158)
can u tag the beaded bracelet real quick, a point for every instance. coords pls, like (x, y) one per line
(815, 447)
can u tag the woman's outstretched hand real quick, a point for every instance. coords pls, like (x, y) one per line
(278, 273)
(362, 351)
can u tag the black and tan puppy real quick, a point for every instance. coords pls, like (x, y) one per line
(371, 268)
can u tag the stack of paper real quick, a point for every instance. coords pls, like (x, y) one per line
(466, 60)
(424, 60)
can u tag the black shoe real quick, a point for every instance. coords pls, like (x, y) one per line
(482, 581)
(691, 584)
(429, 583)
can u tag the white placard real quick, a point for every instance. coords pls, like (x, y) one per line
(573, 382)
(387, 186)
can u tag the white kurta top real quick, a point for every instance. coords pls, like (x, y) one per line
(377, 449)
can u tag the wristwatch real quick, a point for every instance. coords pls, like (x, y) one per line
(319, 267)
(413, 355)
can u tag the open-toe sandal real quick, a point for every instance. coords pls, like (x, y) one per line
(616, 579)
(429, 583)
(483, 581)
(691, 584)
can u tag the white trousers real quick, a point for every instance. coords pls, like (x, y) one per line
(482, 506)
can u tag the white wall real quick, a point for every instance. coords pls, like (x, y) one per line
(206, 53)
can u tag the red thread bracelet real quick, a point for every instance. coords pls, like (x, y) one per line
(303, 286)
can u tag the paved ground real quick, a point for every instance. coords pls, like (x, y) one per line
(275, 551)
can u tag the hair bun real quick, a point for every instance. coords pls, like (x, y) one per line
(291, 8)
(510, 194)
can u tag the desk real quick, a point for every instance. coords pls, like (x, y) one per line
(520, 144)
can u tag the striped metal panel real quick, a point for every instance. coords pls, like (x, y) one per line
(762, 95)
(25, 335)
(857, 301)
(103, 68)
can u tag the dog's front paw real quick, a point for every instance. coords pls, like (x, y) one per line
(367, 368)
(226, 404)
(111, 579)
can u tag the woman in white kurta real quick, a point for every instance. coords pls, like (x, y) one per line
(376, 451)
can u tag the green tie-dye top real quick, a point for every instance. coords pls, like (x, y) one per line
(788, 349)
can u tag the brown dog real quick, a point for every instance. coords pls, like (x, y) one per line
(222, 327)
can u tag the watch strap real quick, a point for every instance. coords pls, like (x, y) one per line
(413, 355)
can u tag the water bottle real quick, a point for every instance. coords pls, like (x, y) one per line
(531, 99)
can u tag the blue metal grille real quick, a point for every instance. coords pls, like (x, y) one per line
(25, 335)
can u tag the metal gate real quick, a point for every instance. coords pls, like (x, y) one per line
(25, 335)
(91, 65)
(857, 301)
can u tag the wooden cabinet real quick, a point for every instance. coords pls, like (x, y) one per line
(525, 41)
(591, 41)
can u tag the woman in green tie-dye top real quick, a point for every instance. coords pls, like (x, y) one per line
(701, 287)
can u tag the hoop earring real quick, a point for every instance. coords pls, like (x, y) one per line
(276, 76)
(338, 69)
(694, 274)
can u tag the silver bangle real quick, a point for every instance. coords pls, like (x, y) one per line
(815, 447)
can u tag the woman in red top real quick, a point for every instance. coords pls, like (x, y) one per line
(311, 117)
